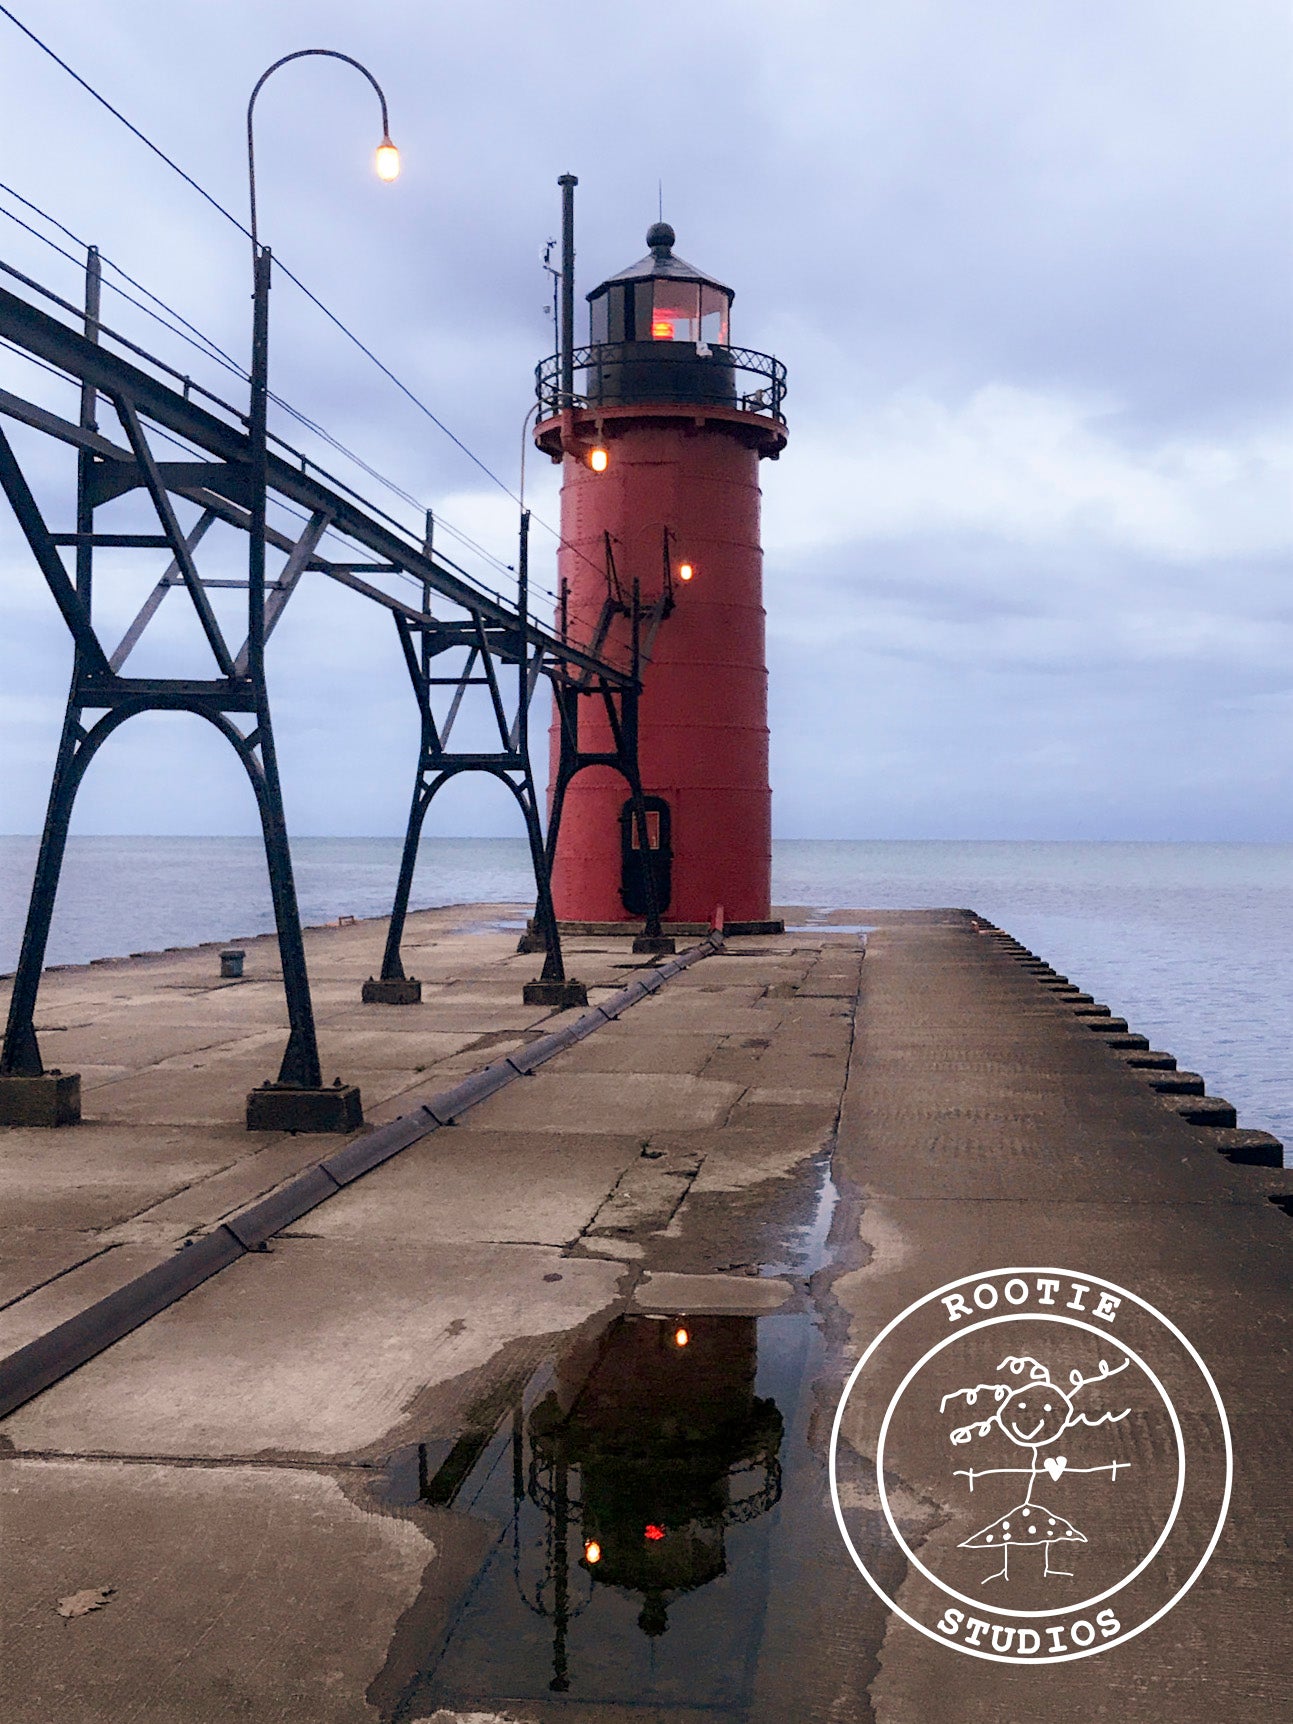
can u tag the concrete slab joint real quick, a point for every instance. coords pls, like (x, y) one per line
(795, 1158)
(272, 1107)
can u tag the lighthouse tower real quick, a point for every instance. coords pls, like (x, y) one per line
(660, 440)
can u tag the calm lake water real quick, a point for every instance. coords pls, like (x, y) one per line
(1192, 943)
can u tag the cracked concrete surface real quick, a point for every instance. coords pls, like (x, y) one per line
(380, 1318)
(227, 1468)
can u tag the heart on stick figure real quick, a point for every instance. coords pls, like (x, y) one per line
(1055, 1464)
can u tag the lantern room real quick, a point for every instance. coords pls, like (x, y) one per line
(662, 298)
(660, 331)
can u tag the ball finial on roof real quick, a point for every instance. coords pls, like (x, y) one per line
(660, 236)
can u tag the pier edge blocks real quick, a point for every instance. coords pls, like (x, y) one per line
(1250, 1148)
(1184, 1093)
(285, 1107)
(42, 1099)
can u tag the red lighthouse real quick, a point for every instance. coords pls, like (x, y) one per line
(660, 445)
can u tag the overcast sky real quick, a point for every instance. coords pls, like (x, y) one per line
(1027, 553)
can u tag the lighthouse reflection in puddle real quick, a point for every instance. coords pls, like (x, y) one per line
(637, 1563)
(667, 1446)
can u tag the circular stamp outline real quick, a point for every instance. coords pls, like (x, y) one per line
(1082, 1604)
(1049, 1658)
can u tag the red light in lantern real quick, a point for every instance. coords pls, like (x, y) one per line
(654, 1533)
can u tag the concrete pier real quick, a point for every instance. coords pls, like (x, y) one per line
(227, 1513)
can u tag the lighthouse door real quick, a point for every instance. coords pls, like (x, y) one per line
(659, 857)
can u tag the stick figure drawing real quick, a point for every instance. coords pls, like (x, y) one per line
(1033, 1415)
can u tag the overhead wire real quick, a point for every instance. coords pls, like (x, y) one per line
(281, 504)
(36, 233)
(54, 371)
(41, 364)
(243, 229)
(198, 339)
(160, 434)
(334, 442)
(117, 114)
(194, 333)
(296, 280)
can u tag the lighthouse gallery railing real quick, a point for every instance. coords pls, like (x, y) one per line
(766, 377)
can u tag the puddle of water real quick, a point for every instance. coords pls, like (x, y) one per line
(660, 1525)
(639, 1489)
(803, 1250)
(495, 925)
(830, 928)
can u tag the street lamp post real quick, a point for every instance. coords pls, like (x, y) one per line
(388, 167)
(300, 1068)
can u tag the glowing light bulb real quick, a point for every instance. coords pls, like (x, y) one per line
(680, 1337)
(685, 571)
(599, 459)
(387, 161)
(653, 1533)
(592, 1551)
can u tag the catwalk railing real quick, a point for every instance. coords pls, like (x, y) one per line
(227, 479)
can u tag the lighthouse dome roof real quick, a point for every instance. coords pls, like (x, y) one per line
(660, 262)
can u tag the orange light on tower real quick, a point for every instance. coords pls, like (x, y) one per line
(680, 1337)
(599, 458)
(592, 1551)
(685, 571)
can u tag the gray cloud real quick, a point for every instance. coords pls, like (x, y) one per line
(1028, 265)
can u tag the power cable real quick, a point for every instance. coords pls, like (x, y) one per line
(280, 504)
(211, 349)
(203, 343)
(118, 115)
(160, 434)
(217, 205)
(296, 280)
(189, 385)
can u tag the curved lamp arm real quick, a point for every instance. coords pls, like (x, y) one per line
(388, 166)
(525, 437)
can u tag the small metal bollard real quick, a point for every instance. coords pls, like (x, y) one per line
(231, 964)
